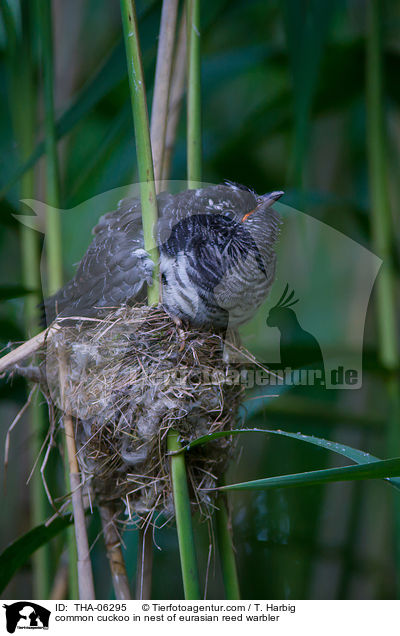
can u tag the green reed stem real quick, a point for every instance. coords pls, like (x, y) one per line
(30, 257)
(162, 82)
(194, 152)
(381, 225)
(382, 232)
(23, 113)
(175, 98)
(226, 551)
(53, 220)
(142, 135)
(183, 519)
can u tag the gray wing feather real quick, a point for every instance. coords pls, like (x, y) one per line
(113, 271)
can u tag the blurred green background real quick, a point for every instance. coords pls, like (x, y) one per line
(284, 107)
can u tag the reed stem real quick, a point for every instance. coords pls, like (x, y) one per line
(226, 551)
(183, 519)
(159, 111)
(382, 232)
(144, 564)
(114, 553)
(381, 224)
(175, 97)
(143, 144)
(149, 152)
(23, 112)
(194, 152)
(53, 222)
(84, 566)
(30, 256)
(53, 243)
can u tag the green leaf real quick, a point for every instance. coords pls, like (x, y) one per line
(17, 554)
(351, 453)
(374, 470)
(358, 456)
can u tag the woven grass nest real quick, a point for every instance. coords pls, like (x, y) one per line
(126, 379)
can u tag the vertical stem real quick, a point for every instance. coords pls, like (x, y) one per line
(85, 576)
(31, 280)
(53, 221)
(178, 470)
(175, 97)
(73, 582)
(59, 589)
(183, 519)
(162, 80)
(142, 135)
(83, 563)
(380, 207)
(114, 554)
(144, 563)
(53, 225)
(23, 111)
(146, 171)
(194, 172)
(38, 422)
(226, 551)
(193, 94)
(30, 256)
(382, 231)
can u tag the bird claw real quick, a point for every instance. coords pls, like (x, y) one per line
(181, 333)
(182, 340)
(30, 372)
(146, 264)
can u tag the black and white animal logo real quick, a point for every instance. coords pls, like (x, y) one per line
(26, 615)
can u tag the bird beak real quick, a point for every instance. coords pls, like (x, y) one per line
(267, 200)
(271, 197)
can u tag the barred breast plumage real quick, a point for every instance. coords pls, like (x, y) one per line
(217, 257)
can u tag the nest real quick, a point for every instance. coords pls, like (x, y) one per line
(127, 379)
